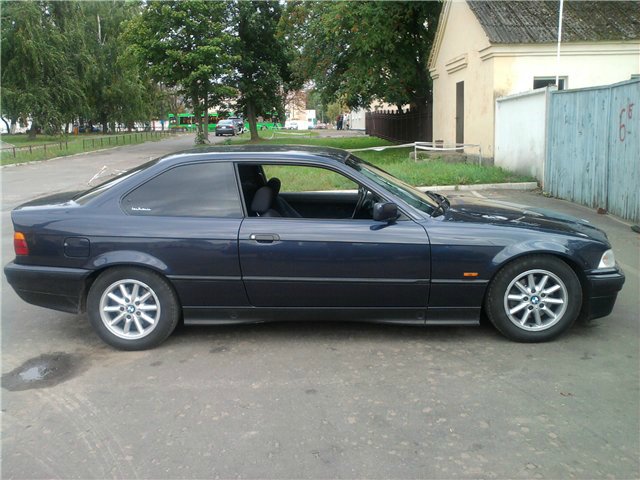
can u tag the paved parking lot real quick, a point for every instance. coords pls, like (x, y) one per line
(315, 400)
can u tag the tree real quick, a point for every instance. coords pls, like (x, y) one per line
(187, 45)
(359, 51)
(119, 90)
(314, 102)
(69, 20)
(262, 61)
(63, 61)
(38, 83)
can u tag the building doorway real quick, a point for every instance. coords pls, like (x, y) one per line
(460, 112)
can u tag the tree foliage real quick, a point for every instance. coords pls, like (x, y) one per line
(37, 81)
(62, 62)
(121, 91)
(187, 45)
(263, 72)
(358, 51)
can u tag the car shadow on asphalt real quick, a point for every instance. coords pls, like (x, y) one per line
(331, 331)
(361, 332)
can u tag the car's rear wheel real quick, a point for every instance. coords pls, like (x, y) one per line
(132, 308)
(534, 299)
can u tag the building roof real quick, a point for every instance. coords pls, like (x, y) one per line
(537, 21)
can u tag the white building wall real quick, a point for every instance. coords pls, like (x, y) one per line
(356, 119)
(462, 52)
(458, 60)
(581, 64)
(520, 132)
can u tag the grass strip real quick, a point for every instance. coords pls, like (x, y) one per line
(434, 171)
(45, 147)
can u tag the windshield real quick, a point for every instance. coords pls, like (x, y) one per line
(406, 192)
(225, 122)
(87, 195)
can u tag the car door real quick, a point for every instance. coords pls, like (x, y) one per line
(185, 222)
(334, 262)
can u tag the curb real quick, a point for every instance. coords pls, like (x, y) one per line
(483, 186)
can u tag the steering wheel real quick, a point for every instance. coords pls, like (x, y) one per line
(362, 196)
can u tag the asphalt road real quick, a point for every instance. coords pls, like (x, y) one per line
(314, 400)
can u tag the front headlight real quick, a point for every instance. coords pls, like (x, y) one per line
(608, 260)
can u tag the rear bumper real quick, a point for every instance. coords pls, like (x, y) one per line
(50, 287)
(602, 291)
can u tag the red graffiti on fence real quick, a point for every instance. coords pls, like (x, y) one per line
(622, 128)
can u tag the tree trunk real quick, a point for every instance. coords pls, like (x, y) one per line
(205, 121)
(251, 117)
(7, 125)
(198, 119)
(32, 131)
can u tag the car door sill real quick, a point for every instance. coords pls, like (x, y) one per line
(397, 316)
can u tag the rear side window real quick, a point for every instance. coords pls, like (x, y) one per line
(197, 190)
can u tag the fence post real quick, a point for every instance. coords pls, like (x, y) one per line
(14, 152)
(44, 146)
(30, 151)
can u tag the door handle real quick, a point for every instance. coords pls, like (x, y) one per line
(264, 237)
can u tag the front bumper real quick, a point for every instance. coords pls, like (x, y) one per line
(50, 287)
(602, 291)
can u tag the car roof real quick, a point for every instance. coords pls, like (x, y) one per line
(258, 152)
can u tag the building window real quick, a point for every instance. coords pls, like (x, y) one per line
(541, 82)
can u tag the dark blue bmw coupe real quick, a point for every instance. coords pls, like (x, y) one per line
(230, 235)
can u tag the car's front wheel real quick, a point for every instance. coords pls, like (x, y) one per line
(534, 299)
(132, 308)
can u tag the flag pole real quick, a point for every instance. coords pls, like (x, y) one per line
(559, 41)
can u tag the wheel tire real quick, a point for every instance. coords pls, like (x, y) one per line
(526, 314)
(154, 318)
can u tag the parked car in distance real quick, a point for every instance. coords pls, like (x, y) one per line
(321, 126)
(291, 125)
(239, 123)
(226, 127)
(89, 129)
(213, 236)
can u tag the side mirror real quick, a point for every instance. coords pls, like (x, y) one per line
(385, 212)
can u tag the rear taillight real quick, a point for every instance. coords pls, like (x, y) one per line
(20, 244)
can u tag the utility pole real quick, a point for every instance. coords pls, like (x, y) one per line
(559, 41)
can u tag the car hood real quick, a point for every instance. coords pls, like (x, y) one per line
(477, 210)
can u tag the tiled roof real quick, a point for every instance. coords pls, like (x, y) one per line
(537, 21)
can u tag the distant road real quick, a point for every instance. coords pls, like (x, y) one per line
(23, 182)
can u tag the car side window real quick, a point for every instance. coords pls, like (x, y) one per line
(302, 191)
(196, 190)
